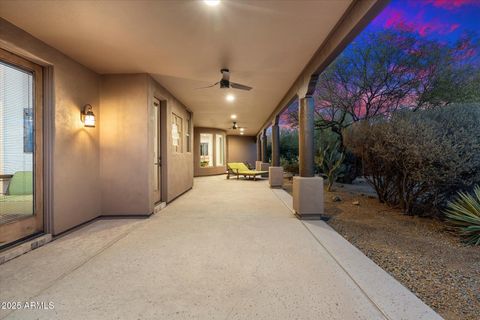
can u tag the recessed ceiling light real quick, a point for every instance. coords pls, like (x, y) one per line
(230, 97)
(212, 3)
(242, 129)
(233, 116)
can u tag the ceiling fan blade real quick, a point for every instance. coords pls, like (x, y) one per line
(213, 85)
(240, 86)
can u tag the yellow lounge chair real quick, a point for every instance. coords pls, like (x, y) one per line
(240, 169)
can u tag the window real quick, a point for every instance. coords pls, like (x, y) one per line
(206, 150)
(220, 150)
(188, 133)
(177, 129)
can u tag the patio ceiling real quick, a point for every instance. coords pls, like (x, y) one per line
(184, 44)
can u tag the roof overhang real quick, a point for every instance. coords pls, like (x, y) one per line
(272, 46)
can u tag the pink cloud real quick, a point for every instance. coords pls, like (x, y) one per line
(398, 19)
(452, 4)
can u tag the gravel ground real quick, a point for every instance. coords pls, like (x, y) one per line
(418, 252)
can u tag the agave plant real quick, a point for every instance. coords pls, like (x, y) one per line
(464, 214)
(330, 161)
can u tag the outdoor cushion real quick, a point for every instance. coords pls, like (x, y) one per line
(21, 183)
(241, 168)
(238, 166)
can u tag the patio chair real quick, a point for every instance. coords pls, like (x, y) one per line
(240, 169)
(18, 199)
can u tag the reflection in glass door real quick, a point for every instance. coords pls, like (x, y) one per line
(21, 212)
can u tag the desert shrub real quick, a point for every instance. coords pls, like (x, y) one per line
(289, 150)
(419, 160)
(290, 164)
(464, 214)
(352, 168)
(329, 156)
(289, 144)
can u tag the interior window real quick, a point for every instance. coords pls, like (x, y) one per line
(206, 150)
(220, 150)
(177, 128)
(188, 133)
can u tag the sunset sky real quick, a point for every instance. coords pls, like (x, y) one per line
(444, 20)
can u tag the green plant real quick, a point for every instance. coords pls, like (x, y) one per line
(419, 160)
(330, 161)
(464, 214)
(290, 165)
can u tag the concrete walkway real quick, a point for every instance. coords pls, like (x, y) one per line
(227, 249)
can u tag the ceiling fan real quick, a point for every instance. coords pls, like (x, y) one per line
(226, 83)
(235, 127)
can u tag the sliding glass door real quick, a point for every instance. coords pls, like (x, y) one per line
(21, 183)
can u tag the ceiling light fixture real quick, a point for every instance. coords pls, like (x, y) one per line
(230, 97)
(242, 129)
(212, 3)
(233, 116)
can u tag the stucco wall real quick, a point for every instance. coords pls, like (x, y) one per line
(207, 171)
(114, 179)
(178, 177)
(242, 149)
(124, 145)
(76, 156)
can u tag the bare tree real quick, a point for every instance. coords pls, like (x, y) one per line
(381, 72)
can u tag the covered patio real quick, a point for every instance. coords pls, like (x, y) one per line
(146, 76)
(228, 249)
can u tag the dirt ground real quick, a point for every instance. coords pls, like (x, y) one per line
(419, 252)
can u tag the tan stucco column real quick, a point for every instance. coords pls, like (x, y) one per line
(307, 189)
(264, 145)
(306, 133)
(259, 147)
(275, 143)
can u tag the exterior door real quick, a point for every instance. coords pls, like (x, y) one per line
(157, 158)
(21, 148)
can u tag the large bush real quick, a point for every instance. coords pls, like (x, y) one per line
(290, 165)
(419, 160)
(289, 144)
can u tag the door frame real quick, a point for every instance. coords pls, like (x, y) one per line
(26, 227)
(163, 146)
(157, 106)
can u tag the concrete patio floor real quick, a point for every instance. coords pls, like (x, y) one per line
(227, 249)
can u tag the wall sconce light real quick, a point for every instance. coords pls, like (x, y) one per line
(87, 116)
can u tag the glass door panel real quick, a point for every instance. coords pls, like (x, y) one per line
(21, 212)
